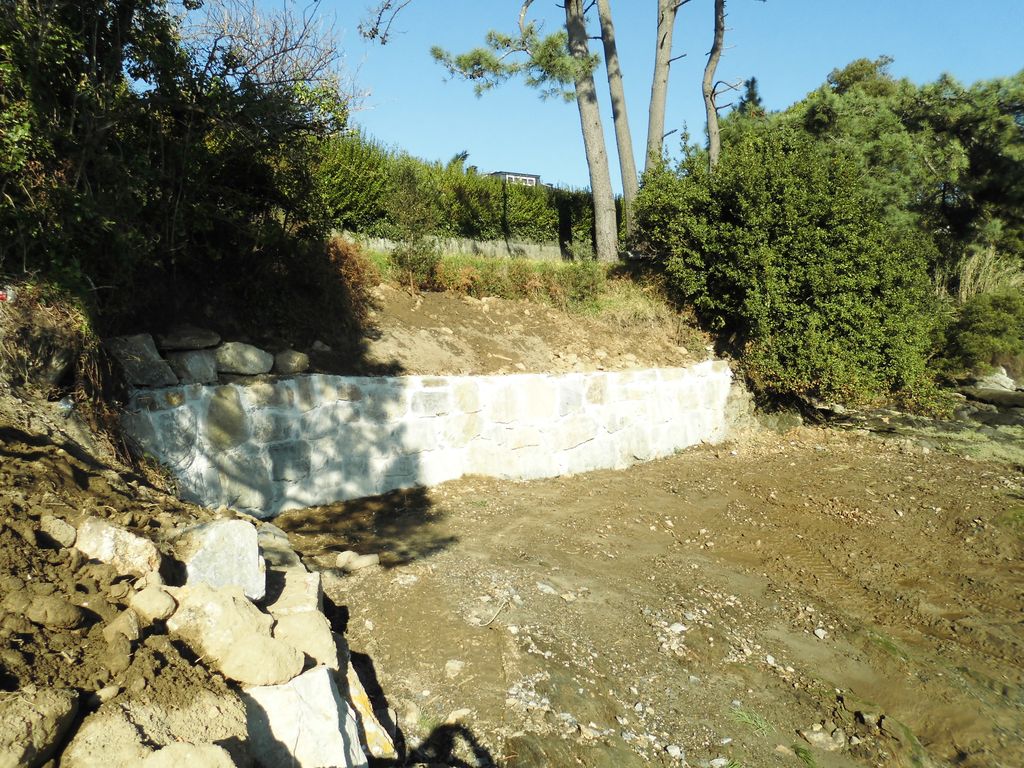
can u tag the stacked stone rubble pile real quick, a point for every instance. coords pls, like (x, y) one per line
(189, 355)
(241, 602)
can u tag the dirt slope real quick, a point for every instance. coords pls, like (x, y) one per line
(703, 608)
(449, 333)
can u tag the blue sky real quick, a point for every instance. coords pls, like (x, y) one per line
(789, 45)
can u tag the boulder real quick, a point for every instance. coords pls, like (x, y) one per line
(187, 337)
(126, 624)
(152, 603)
(33, 723)
(141, 363)
(54, 612)
(304, 723)
(191, 755)
(350, 561)
(233, 636)
(125, 734)
(998, 379)
(1004, 398)
(290, 362)
(310, 633)
(223, 553)
(108, 543)
(374, 737)
(293, 590)
(275, 548)
(194, 367)
(58, 531)
(237, 357)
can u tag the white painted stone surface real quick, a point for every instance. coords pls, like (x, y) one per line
(275, 445)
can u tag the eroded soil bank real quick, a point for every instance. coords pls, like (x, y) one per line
(706, 607)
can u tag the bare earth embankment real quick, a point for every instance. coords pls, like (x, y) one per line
(815, 597)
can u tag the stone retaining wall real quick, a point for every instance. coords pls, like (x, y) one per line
(273, 445)
(460, 246)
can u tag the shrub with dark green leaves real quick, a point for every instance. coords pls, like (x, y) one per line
(989, 333)
(366, 189)
(783, 254)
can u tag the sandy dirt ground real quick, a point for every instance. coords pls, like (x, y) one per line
(447, 333)
(812, 598)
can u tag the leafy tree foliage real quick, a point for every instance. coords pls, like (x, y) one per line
(989, 332)
(145, 158)
(371, 189)
(821, 249)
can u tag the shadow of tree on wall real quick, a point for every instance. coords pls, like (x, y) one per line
(400, 526)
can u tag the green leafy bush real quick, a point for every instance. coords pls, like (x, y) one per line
(147, 166)
(366, 187)
(989, 333)
(783, 253)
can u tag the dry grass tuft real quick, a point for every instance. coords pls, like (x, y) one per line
(987, 271)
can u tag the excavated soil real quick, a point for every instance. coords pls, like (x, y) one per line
(449, 333)
(813, 598)
(44, 476)
(710, 606)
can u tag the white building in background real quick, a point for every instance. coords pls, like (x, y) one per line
(512, 177)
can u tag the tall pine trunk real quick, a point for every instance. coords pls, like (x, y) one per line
(620, 118)
(606, 237)
(667, 10)
(714, 137)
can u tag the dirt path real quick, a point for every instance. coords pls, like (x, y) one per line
(705, 607)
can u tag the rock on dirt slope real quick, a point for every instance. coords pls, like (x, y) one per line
(139, 630)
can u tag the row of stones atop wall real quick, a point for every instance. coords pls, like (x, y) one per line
(275, 445)
(190, 355)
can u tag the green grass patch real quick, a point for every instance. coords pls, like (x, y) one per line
(757, 723)
(888, 646)
(804, 753)
(1013, 519)
(573, 285)
(584, 287)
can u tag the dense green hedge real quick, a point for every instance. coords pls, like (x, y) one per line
(988, 332)
(373, 190)
(784, 254)
(839, 245)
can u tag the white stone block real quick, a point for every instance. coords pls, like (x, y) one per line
(308, 632)
(124, 550)
(596, 454)
(436, 467)
(223, 553)
(303, 723)
(460, 430)
(293, 590)
(417, 435)
(572, 431)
